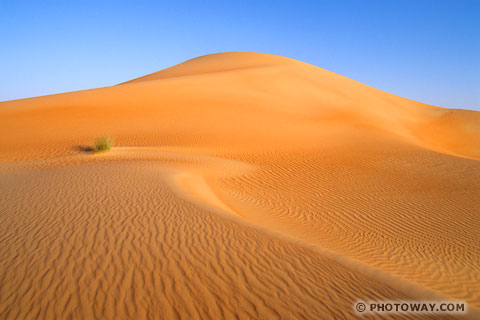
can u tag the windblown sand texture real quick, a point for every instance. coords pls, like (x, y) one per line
(241, 186)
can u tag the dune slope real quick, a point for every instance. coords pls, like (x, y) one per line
(242, 185)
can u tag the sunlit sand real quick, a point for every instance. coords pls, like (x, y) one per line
(240, 185)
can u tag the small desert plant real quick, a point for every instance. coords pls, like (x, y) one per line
(103, 144)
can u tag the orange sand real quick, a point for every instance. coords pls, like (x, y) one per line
(242, 185)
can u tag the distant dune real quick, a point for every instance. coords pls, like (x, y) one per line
(241, 185)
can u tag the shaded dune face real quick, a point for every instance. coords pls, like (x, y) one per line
(241, 185)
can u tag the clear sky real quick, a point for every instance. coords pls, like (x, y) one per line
(424, 50)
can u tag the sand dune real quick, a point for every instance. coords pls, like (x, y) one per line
(242, 185)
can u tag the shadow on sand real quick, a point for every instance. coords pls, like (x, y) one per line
(86, 149)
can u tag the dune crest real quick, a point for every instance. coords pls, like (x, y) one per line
(242, 185)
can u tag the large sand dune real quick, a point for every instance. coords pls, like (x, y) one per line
(242, 185)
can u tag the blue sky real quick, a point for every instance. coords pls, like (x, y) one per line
(428, 51)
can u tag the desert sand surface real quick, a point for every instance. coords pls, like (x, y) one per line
(240, 186)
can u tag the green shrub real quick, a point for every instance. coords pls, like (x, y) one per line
(103, 144)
